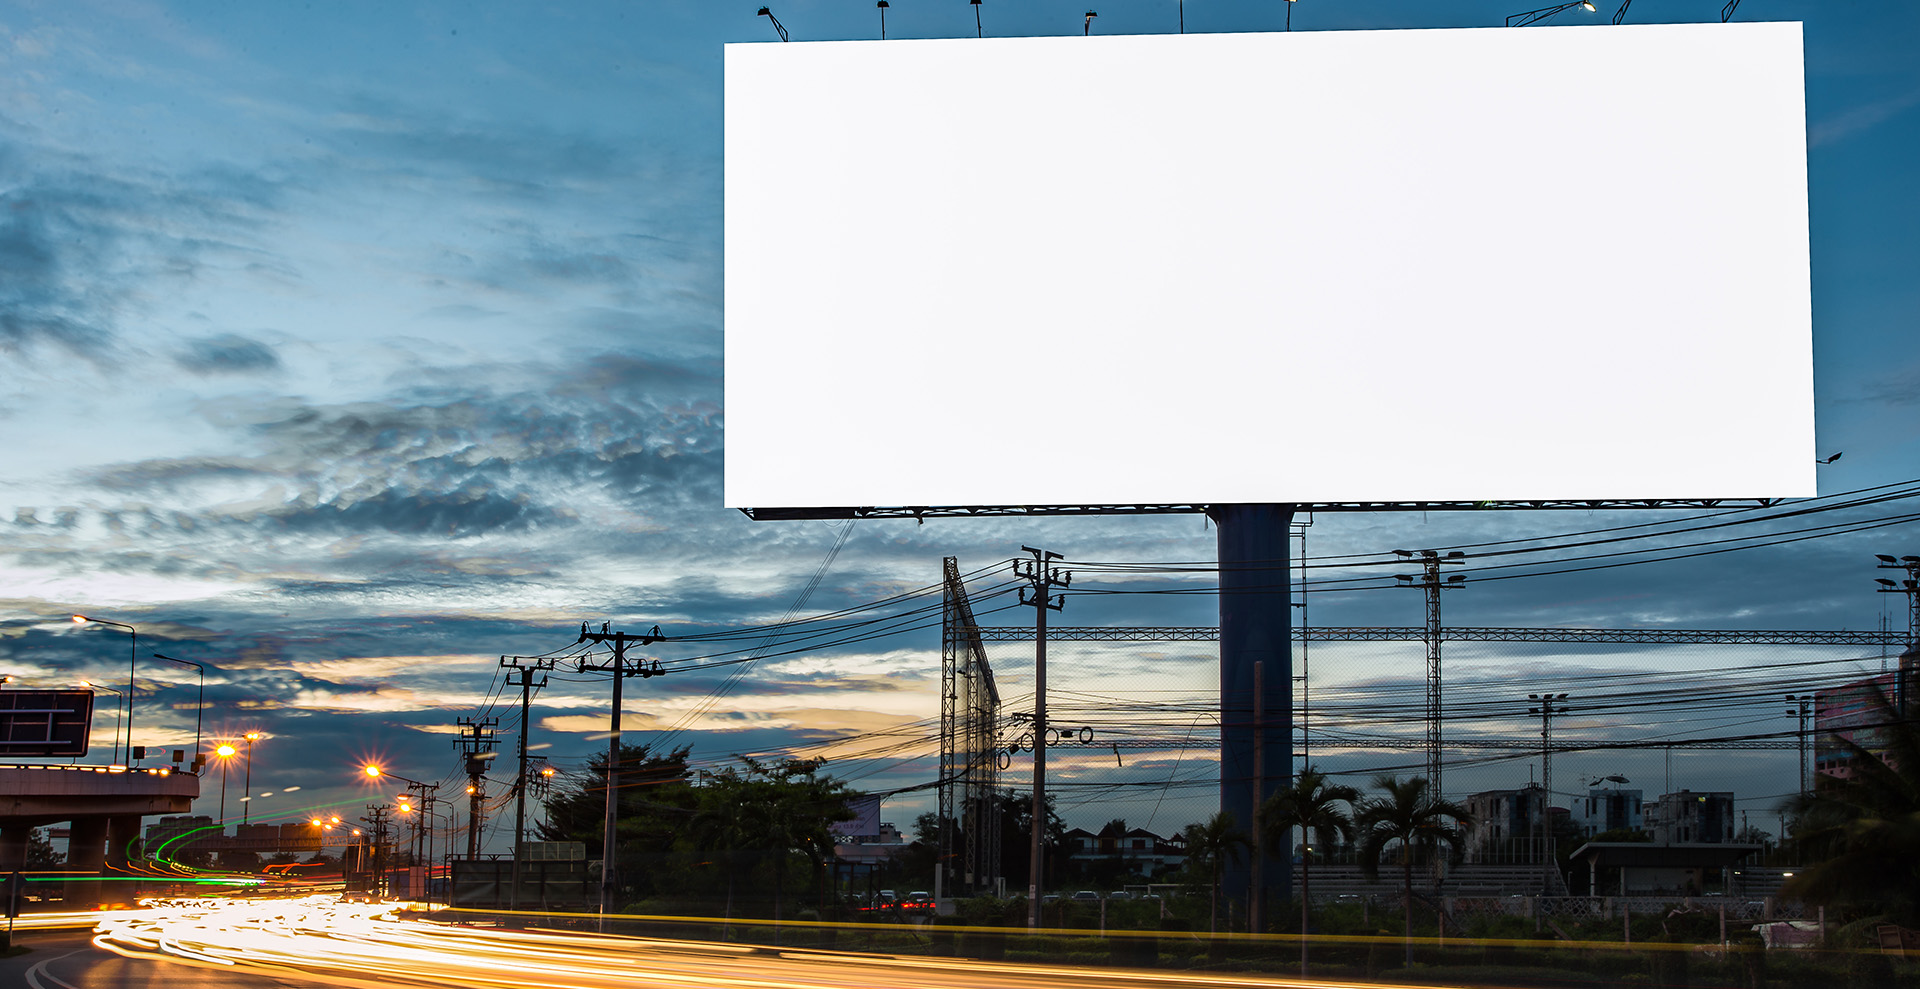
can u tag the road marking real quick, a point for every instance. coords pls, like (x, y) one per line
(34, 973)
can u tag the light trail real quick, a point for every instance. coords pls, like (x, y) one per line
(356, 944)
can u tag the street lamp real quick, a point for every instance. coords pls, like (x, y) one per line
(116, 714)
(132, 650)
(225, 751)
(422, 828)
(1529, 17)
(200, 706)
(246, 802)
(1803, 708)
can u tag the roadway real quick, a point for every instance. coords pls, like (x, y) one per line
(310, 942)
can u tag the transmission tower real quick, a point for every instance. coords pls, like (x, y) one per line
(1429, 580)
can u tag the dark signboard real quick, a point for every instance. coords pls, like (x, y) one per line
(44, 722)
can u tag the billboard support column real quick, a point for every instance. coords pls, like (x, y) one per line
(1256, 628)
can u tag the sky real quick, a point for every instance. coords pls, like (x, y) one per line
(349, 348)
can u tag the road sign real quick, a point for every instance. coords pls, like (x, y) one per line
(45, 723)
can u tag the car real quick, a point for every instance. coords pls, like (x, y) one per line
(1119, 894)
(919, 902)
(1085, 896)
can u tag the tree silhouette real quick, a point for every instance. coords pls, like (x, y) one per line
(1212, 845)
(1410, 814)
(1312, 805)
(1861, 833)
(773, 809)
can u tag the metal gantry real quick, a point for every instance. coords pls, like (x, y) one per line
(969, 750)
(1414, 633)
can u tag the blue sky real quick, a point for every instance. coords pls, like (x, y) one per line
(351, 346)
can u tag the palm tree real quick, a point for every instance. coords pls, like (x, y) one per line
(1212, 844)
(1310, 805)
(1861, 833)
(1409, 813)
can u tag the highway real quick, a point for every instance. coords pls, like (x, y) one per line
(297, 943)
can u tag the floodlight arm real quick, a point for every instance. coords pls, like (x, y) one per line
(1532, 16)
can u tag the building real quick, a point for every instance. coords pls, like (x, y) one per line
(1856, 711)
(1505, 822)
(871, 851)
(1137, 851)
(199, 833)
(1690, 818)
(1603, 810)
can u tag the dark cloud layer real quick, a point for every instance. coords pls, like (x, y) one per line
(82, 247)
(227, 353)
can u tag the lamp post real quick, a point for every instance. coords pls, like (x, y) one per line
(200, 705)
(116, 714)
(1550, 705)
(1803, 709)
(427, 792)
(246, 801)
(225, 751)
(132, 650)
(1529, 17)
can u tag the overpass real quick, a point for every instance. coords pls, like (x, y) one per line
(103, 803)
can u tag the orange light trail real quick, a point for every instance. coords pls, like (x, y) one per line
(349, 942)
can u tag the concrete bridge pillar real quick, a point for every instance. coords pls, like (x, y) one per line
(123, 841)
(87, 845)
(86, 854)
(13, 847)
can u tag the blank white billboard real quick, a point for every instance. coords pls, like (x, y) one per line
(1539, 263)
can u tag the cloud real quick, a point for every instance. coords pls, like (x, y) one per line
(454, 515)
(522, 159)
(84, 248)
(1859, 119)
(1901, 387)
(227, 353)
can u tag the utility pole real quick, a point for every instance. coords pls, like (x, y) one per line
(1429, 581)
(620, 670)
(1041, 577)
(1255, 893)
(526, 685)
(419, 845)
(476, 743)
(376, 821)
(1550, 705)
(1803, 707)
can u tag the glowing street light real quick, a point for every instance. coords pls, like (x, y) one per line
(132, 650)
(422, 825)
(226, 752)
